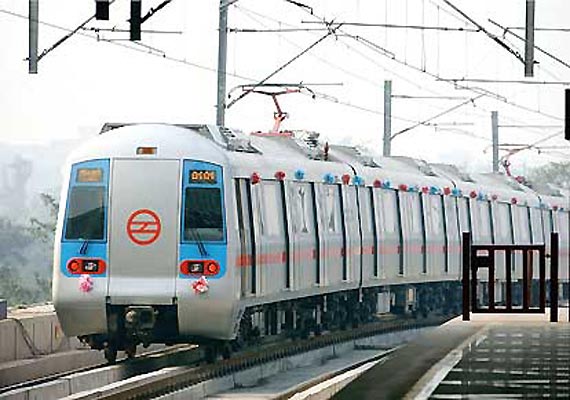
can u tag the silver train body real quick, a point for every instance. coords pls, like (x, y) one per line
(178, 229)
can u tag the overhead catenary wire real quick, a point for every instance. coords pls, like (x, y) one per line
(131, 47)
(506, 81)
(476, 90)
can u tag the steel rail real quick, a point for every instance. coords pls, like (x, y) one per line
(161, 385)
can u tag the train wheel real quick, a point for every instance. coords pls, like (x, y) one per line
(111, 353)
(131, 350)
(226, 351)
(211, 353)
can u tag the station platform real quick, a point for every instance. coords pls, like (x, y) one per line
(494, 356)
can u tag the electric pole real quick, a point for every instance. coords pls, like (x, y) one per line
(495, 128)
(529, 39)
(222, 60)
(387, 118)
(33, 37)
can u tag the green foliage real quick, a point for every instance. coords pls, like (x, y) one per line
(44, 230)
(557, 174)
(15, 289)
(26, 253)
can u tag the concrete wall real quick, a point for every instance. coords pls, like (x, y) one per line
(31, 336)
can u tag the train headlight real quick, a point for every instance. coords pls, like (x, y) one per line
(212, 268)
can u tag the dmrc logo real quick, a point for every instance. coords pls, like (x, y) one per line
(143, 227)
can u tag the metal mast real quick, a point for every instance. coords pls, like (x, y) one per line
(222, 60)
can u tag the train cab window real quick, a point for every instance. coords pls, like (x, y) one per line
(85, 219)
(203, 218)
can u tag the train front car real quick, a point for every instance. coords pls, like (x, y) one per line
(141, 244)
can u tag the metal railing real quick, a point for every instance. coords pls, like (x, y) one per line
(483, 256)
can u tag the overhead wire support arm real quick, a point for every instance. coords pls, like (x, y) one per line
(70, 34)
(546, 53)
(425, 121)
(154, 10)
(489, 34)
(399, 26)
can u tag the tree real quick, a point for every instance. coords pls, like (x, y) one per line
(557, 174)
(44, 230)
(26, 253)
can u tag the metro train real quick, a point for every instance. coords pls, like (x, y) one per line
(198, 233)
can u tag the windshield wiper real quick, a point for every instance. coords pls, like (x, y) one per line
(84, 246)
(198, 240)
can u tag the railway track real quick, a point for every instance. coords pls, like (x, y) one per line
(126, 368)
(173, 380)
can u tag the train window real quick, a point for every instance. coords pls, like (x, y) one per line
(366, 207)
(203, 218)
(435, 217)
(481, 220)
(463, 207)
(451, 214)
(272, 209)
(86, 213)
(563, 225)
(332, 206)
(301, 207)
(388, 209)
(410, 202)
(520, 224)
(536, 224)
(503, 233)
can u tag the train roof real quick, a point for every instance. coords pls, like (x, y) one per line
(291, 152)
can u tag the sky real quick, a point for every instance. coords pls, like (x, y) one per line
(171, 77)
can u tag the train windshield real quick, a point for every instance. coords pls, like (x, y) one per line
(85, 219)
(203, 219)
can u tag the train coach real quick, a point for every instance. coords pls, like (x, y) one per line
(196, 233)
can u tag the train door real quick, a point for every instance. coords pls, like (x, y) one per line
(502, 234)
(389, 235)
(270, 239)
(412, 234)
(331, 235)
(436, 263)
(246, 258)
(303, 235)
(369, 261)
(144, 230)
(353, 243)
